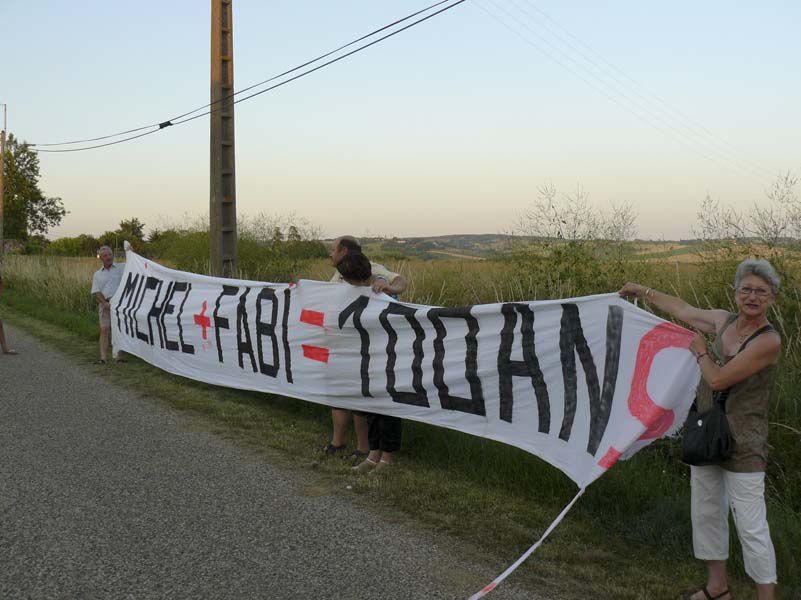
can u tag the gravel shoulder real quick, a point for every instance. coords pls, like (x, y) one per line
(106, 494)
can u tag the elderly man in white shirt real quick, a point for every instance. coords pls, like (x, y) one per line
(105, 282)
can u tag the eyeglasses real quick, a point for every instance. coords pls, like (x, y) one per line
(758, 292)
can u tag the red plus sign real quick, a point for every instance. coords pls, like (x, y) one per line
(202, 320)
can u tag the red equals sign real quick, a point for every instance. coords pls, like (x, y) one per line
(312, 317)
(316, 318)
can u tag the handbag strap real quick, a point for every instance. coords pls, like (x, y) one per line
(723, 395)
(758, 332)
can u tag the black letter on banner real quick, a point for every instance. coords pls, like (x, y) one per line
(157, 312)
(418, 397)
(127, 293)
(130, 309)
(356, 308)
(151, 283)
(222, 322)
(185, 348)
(285, 336)
(267, 329)
(528, 367)
(475, 404)
(245, 347)
(572, 342)
(167, 309)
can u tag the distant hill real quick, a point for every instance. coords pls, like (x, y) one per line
(465, 246)
(493, 245)
(469, 246)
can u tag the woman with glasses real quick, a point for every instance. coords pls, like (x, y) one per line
(742, 359)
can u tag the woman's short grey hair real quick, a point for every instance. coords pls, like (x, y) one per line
(762, 269)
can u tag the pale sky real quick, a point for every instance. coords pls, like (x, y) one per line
(449, 127)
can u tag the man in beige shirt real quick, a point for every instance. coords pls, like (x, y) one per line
(383, 280)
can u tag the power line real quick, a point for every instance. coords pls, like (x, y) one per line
(317, 68)
(128, 139)
(695, 129)
(330, 62)
(171, 121)
(633, 85)
(611, 92)
(321, 57)
(634, 105)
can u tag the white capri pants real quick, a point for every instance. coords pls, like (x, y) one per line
(714, 490)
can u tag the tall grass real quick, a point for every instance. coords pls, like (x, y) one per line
(643, 501)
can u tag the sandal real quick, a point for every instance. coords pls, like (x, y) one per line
(331, 450)
(709, 596)
(100, 361)
(382, 465)
(365, 465)
(10, 352)
(356, 456)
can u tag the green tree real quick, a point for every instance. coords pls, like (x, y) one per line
(294, 234)
(132, 230)
(26, 210)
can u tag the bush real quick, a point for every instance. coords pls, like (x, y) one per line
(82, 245)
(265, 252)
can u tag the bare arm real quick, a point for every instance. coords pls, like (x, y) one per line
(101, 298)
(394, 287)
(760, 353)
(708, 321)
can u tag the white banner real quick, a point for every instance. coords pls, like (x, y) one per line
(579, 382)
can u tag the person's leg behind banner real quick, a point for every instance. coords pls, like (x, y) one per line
(390, 442)
(339, 438)
(385, 440)
(362, 429)
(374, 441)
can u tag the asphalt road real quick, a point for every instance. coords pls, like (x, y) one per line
(105, 494)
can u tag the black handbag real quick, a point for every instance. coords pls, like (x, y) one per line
(707, 436)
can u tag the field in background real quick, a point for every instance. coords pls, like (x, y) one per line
(642, 504)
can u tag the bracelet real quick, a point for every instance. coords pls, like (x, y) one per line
(700, 356)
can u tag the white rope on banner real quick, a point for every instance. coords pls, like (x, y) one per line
(495, 582)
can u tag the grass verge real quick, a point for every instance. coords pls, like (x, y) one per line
(627, 538)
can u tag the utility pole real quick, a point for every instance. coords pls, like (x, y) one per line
(2, 181)
(222, 221)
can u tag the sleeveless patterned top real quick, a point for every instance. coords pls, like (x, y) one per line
(746, 408)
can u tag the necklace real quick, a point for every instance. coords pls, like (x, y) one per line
(742, 337)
